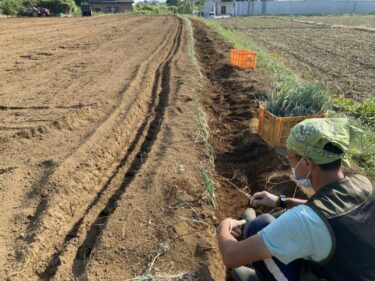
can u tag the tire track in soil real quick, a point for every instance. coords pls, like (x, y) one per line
(162, 74)
(137, 76)
(42, 107)
(140, 146)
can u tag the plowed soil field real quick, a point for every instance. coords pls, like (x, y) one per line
(102, 158)
(82, 104)
(345, 20)
(342, 58)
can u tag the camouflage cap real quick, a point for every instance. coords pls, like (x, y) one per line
(309, 137)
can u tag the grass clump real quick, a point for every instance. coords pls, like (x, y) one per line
(209, 189)
(364, 118)
(298, 98)
(364, 112)
(204, 135)
(366, 159)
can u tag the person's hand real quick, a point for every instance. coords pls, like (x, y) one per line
(236, 226)
(264, 198)
(233, 226)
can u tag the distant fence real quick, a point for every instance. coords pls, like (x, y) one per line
(302, 8)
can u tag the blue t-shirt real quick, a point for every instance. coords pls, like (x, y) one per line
(298, 233)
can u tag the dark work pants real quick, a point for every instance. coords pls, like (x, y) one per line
(270, 269)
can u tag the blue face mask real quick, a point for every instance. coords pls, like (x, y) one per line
(302, 182)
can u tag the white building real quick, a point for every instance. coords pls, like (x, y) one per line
(219, 8)
(287, 7)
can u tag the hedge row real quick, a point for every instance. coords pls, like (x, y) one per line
(18, 7)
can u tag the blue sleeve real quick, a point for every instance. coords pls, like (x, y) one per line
(298, 233)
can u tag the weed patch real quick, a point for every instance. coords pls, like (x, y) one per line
(364, 112)
(364, 117)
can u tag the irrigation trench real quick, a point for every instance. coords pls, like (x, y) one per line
(49, 243)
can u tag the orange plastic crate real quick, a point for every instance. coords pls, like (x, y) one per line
(275, 130)
(245, 59)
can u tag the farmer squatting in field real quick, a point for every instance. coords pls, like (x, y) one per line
(328, 237)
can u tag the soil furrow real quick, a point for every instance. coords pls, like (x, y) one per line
(95, 231)
(242, 157)
(141, 156)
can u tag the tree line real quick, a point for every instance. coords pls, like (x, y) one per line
(19, 7)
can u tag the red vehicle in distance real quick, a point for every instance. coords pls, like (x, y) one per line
(38, 12)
